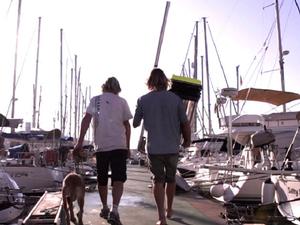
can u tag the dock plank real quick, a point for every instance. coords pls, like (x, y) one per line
(50, 204)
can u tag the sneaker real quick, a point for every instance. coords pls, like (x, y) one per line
(114, 219)
(104, 213)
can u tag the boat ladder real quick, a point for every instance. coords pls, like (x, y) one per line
(48, 210)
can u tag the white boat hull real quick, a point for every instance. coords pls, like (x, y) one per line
(9, 214)
(11, 200)
(287, 196)
(35, 179)
(246, 188)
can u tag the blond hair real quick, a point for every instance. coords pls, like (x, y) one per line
(111, 85)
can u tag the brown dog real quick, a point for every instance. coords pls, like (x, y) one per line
(73, 188)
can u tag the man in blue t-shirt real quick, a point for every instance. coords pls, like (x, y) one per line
(165, 120)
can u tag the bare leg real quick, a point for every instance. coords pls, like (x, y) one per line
(117, 192)
(170, 192)
(103, 194)
(159, 196)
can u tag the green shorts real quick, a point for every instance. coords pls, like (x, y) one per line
(163, 167)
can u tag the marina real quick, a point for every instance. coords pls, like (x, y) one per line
(243, 163)
(138, 207)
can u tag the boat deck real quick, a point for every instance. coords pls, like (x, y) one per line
(138, 206)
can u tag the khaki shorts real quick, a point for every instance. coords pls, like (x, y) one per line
(163, 167)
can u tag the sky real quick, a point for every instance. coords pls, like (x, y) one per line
(120, 38)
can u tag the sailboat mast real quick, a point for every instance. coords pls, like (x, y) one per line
(280, 51)
(61, 81)
(70, 117)
(238, 87)
(161, 38)
(66, 101)
(162, 32)
(75, 98)
(203, 108)
(16, 62)
(39, 110)
(195, 72)
(196, 52)
(89, 98)
(78, 101)
(36, 75)
(207, 74)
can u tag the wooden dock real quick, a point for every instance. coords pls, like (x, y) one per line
(138, 206)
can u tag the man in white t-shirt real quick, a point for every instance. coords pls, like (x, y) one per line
(111, 115)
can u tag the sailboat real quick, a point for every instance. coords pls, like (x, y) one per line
(23, 161)
(271, 186)
(285, 187)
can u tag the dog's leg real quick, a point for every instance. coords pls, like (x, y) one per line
(80, 201)
(65, 204)
(70, 202)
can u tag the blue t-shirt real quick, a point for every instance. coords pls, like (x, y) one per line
(162, 112)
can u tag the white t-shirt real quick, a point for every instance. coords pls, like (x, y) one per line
(109, 111)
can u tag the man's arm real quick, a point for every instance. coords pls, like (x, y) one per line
(85, 123)
(138, 115)
(186, 134)
(128, 134)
